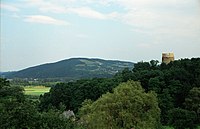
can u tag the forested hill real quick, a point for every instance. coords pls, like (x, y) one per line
(74, 68)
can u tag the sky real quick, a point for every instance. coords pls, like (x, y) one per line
(35, 32)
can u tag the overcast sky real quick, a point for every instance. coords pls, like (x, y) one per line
(39, 31)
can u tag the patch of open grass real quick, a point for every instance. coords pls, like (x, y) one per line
(36, 90)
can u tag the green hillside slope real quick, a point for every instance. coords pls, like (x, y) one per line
(74, 68)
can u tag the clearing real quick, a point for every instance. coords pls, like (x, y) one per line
(36, 90)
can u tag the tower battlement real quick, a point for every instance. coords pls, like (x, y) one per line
(167, 57)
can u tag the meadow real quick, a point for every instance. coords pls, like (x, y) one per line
(36, 90)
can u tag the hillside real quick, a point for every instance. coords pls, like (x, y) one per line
(74, 68)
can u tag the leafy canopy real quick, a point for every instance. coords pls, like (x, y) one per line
(128, 107)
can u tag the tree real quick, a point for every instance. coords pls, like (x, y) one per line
(12, 106)
(141, 66)
(72, 94)
(154, 63)
(192, 102)
(53, 119)
(126, 75)
(165, 104)
(156, 84)
(181, 118)
(128, 107)
(4, 82)
(17, 112)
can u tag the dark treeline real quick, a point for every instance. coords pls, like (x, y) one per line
(176, 85)
(36, 82)
(72, 94)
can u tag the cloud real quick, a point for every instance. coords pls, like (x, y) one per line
(169, 16)
(169, 19)
(44, 20)
(65, 7)
(9, 7)
(87, 12)
(46, 6)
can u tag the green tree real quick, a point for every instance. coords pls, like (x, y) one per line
(165, 104)
(17, 112)
(128, 107)
(13, 106)
(141, 66)
(154, 63)
(53, 119)
(126, 75)
(4, 82)
(192, 102)
(182, 119)
(156, 84)
(72, 94)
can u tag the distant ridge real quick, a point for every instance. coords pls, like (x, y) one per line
(73, 68)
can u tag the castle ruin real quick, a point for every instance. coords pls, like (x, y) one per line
(167, 57)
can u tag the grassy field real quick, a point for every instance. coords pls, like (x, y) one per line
(36, 90)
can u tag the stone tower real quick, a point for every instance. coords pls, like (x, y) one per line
(167, 57)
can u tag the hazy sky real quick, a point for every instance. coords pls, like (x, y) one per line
(39, 31)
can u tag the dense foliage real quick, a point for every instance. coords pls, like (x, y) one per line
(72, 94)
(176, 84)
(18, 112)
(127, 107)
